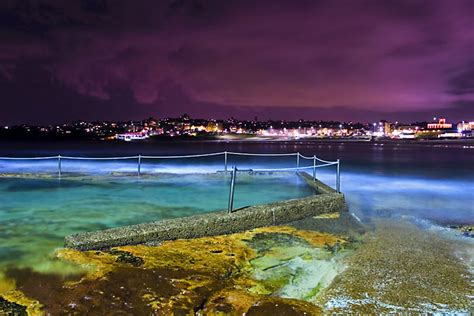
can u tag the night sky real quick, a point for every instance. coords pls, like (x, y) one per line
(344, 60)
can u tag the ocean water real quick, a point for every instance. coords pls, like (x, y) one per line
(430, 181)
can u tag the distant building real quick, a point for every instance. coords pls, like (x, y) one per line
(131, 136)
(465, 126)
(387, 128)
(214, 127)
(406, 131)
(440, 125)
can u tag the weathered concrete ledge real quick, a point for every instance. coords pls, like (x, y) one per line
(210, 224)
(319, 186)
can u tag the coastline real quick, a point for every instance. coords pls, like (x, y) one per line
(252, 139)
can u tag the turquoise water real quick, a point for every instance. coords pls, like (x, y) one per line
(36, 213)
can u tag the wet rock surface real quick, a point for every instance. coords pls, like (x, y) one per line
(401, 268)
(333, 223)
(127, 257)
(240, 302)
(268, 271)
(464, 230)
(180, 277)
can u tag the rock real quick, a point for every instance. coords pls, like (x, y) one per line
(241, 302)
(127, 257)
(181, 276)
(11, 308)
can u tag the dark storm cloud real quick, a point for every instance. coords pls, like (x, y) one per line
(320, 58)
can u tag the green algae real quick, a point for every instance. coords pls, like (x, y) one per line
(315, 291)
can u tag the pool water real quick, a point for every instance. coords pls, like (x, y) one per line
(36, 213)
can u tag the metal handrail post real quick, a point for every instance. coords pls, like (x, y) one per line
(297, 161)
(225, 162)
(338, 177)
(59, 166)
(139, 164)
(230, 206)
(314, 168)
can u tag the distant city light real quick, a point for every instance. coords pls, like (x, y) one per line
(186, 126)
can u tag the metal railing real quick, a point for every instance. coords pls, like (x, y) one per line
(317, 162)
(233, 174)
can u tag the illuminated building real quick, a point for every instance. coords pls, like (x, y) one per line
(465, 126)
(214, 127)
(131, 136)
(440, 125)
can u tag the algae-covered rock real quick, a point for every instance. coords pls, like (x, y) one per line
(16, 303)
(465, 230)
(294, 264)
(187, 276)
(127, 257)
(11, 308)
(265, 271)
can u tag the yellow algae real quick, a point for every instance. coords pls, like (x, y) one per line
(33, 307)
(208, 255)
(6, 284)
(8, 292)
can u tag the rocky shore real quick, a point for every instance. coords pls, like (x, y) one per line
(291, 270)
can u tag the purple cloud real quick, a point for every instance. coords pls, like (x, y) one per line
(375, 56)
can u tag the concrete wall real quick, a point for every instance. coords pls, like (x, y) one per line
(215, 223)
(318, 186)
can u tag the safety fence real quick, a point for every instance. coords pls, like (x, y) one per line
(300, 162)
